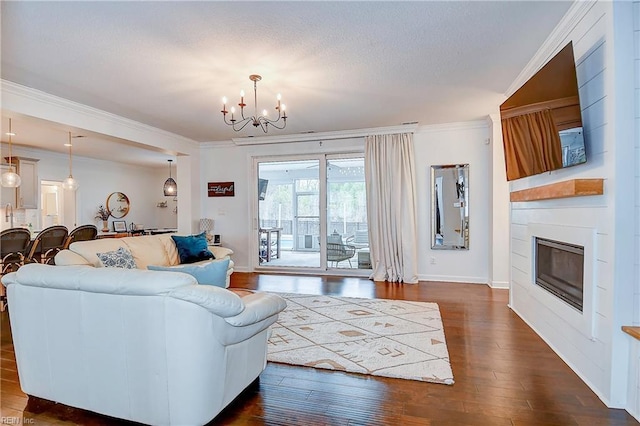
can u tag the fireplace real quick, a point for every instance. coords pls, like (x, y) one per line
(560, 270)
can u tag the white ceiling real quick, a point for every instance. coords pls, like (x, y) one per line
(338, 65)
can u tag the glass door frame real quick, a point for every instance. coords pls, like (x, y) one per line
(255, 214)
(322, 159)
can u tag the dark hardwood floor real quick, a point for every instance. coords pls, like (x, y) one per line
(504, 373)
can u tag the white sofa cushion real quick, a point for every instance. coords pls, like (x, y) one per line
(99, 280)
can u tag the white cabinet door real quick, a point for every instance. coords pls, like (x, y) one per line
(28, 189)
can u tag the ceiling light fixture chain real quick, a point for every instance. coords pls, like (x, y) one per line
(10, 179)
(256, 120)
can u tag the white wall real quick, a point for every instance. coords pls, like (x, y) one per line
(449, 144)
(98, 179)
(592, 356)
(456, 143)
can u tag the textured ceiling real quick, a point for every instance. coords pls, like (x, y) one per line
(338, 65)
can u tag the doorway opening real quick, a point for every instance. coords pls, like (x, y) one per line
(57, 206)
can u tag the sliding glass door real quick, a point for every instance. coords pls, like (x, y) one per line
(312, 213)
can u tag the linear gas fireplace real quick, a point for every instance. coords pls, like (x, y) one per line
(560, 270)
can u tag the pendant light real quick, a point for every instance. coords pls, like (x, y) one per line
(10, 179)
(170, 185)
(70, 183)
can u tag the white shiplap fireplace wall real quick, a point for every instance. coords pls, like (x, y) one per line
(592, 344)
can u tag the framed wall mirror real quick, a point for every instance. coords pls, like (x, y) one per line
(450, 207)
(118, 205)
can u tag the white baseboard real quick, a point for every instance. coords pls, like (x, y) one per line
(499, 284)
(453, 279)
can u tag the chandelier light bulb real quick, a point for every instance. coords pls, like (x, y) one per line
(279, 97)
(264, 112)
(224, 100)
(283, 107)
(233, 110)
(242, 93)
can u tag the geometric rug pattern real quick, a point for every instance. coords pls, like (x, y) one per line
(391, 338)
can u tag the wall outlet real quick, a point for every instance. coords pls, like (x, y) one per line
(432, 260)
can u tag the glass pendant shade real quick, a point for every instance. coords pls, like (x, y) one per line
(11, 179)
(70, 184)
(170, 186)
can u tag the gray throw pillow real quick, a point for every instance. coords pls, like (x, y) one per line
(121, 258)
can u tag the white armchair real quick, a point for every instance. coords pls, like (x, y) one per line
(149, 346)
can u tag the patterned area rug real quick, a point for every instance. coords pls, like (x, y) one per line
(391, 338)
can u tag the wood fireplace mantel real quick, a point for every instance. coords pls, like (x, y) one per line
(564, 189)
(632, 331)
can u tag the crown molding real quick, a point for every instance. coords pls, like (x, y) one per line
(447, 127)
(213, 145)
(553, 43)
(325, 136)
(13, 95)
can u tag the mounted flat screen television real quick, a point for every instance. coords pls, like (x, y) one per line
(542, 122)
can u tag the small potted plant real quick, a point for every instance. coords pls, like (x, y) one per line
(103, 214)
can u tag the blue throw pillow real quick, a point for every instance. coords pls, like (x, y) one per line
(210, 273)
(192, 248)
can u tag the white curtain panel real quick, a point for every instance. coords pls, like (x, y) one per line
(391, 207)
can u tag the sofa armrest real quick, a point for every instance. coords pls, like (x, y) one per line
(220, 252)
(257, 307)
(10, 278)
(216, 300)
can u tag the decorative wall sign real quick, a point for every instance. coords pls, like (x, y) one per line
(221, 189)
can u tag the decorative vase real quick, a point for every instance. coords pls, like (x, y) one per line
(105, 226)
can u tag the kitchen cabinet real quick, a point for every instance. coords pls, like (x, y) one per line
(27, 194)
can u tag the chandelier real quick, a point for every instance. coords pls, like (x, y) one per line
(263, 121)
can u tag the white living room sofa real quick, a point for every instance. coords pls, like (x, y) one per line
(159, 250)
(149, 346)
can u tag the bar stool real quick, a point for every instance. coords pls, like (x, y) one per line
(47, 244)
(13, 247)
(82, 233)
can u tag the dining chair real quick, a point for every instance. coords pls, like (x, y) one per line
(82, 233)
(47, 244)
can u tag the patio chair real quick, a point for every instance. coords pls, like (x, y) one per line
(338, 252)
